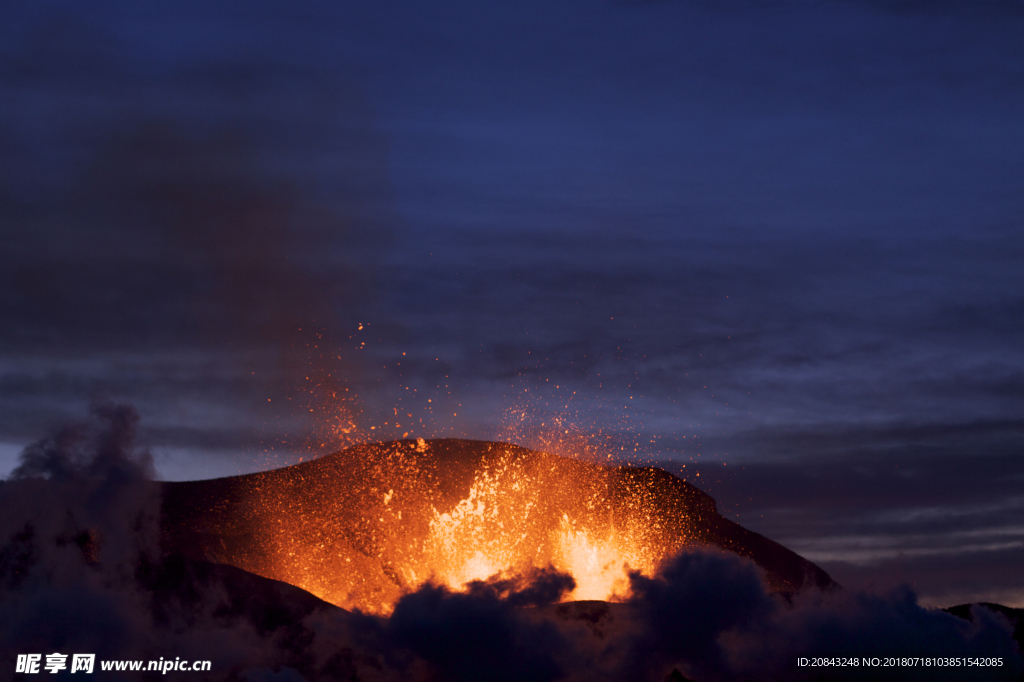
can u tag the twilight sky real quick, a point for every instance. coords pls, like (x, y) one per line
(782, 235)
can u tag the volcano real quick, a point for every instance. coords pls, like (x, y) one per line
(365, 525)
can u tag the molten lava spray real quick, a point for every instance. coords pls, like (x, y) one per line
(362, 527)
(508, 524)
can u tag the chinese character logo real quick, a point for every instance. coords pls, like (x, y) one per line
(30, 663)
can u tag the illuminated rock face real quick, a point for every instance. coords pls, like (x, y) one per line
(360, 527)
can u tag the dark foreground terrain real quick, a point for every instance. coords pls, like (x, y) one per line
(97, 558)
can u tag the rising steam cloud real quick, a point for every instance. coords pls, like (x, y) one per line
(81, 571)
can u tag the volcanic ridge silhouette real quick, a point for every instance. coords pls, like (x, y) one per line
(362, 509)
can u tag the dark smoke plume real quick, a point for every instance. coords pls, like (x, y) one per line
(484, 633)
(81, 569)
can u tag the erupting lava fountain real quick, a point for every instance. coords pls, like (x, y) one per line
(362, 526)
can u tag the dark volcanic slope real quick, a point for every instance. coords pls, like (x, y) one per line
(348, 526)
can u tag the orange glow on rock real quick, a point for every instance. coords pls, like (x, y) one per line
(362, 527)
(366, 525)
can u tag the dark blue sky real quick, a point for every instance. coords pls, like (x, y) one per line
(785, 236)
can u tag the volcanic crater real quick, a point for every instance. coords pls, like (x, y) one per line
(360, 527)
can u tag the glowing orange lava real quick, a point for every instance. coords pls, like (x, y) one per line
(364, 526)
(505, 526)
